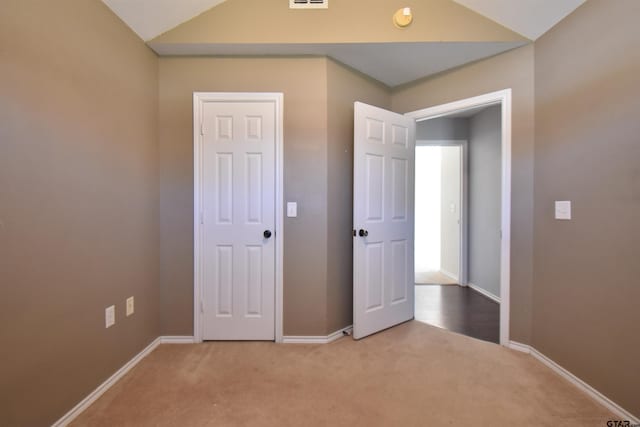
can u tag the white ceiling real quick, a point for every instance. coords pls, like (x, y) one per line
(150, 18)
(531, 18)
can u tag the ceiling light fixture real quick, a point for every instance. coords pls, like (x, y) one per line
(403, 17)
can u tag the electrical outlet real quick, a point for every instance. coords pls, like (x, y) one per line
(130, 307)
(110, 316)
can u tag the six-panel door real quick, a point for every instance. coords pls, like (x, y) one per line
(384, 144)
(238, 174)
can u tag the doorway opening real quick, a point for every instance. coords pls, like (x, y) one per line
(438, 212)
(462, 216)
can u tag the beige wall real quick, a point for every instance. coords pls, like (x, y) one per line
(485, 194)
(587, 274)
(88, 217)
(514, 70)
(344, 88)
(318, 141)
(304, 84)
(441, 129)
(78, 203)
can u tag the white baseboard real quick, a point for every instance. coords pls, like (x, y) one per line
(450, 275)
(586, 388)
(484, 292)
(177, 340)
(523, 348)
(322, 339)
(102, 388)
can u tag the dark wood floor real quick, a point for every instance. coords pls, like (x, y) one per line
(458, 309)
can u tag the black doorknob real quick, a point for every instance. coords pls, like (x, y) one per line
(267, 234)
(363, 233)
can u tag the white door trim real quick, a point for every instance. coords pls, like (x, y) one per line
(502, 97)
(463, 267)
(199, 99)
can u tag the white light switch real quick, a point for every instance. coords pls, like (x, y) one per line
(130, 306)
(563, 209)
(292, 209)
(109, 316)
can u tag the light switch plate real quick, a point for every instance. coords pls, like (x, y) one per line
(292, 209)
(130, 306)
(109, 316)
(563, 209)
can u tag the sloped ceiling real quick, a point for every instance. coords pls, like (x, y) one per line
(531, 18)
(150, 18)
(357, 33)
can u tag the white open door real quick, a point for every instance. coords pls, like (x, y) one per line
(383, 218)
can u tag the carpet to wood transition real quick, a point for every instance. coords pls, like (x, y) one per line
(410, 375)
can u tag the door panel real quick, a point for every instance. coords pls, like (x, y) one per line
(254, 188)
(224, 194)
(238, 201)
(399, 254)
(254, 281)
(375, 189)
(384, 144)
(224, 280)
(399, 188)
(375, 276)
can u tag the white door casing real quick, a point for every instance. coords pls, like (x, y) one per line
(503, 98)
(236, 205)
(384, 154)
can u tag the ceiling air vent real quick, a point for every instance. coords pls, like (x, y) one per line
(308, 4)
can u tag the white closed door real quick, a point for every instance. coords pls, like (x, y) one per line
(383, 203)
(238, 219)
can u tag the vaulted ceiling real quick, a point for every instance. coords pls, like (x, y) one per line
(150, 18)
(447, 33)
(531, 18)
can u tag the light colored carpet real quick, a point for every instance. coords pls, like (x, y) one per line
(434, 277)
(410, 375)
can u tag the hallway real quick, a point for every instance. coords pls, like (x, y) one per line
(458, 309)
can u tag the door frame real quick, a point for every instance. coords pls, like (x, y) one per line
(463, 271)
(503, 98)
(199, 99)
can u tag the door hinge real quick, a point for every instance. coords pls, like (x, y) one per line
(354, 232)
(201, 306)
(202, 218)
(202, 128)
